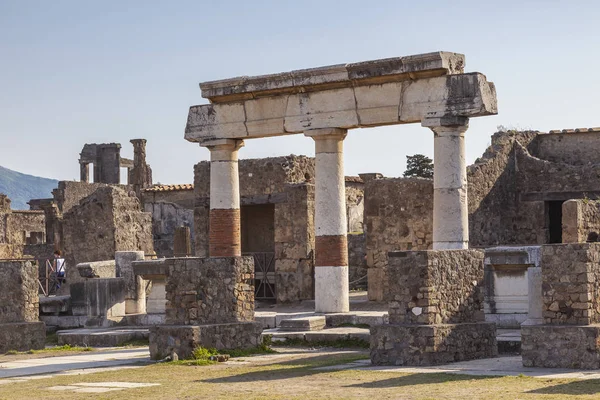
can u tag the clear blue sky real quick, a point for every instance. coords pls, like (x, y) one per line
(75, 72)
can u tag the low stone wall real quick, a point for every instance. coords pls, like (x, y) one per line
(357, 261)
(580, 218)
(101, 297)
(183, 339)
(561, 346)
(432, 344)
(22, 336)
(210, 290)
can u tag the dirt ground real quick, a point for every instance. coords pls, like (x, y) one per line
(300, 374)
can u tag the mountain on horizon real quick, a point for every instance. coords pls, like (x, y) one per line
(20, 188)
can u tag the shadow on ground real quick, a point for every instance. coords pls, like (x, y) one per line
(305, 367)
(417, 379)
(591, 386)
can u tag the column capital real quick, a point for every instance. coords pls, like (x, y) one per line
(223, 144)
(449, 122)
(327, 133)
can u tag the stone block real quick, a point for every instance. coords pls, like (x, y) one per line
(183, 339)
(436, 286)
(561, 346)
(210, 290)
(22, 336)
(97, 269)
(19, 300)
(419, 345)
(135, 295)
(102, 297)
(315, 323)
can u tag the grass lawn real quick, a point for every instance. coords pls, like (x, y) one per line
(292, 375)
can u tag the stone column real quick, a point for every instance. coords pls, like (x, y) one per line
(331, 246)
(224, 232)
(450, 202)
(182, 242)
(536, 302)
(84, 171)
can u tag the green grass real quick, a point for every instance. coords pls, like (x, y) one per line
(338, 343)
(65, 347)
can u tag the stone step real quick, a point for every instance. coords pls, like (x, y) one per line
(325, 335)
(102, 337)
(314, 323)
(54, 305)
(82, 321)
(509, 341)
(272, 319)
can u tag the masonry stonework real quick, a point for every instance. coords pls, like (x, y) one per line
(19, 307)
(580, 220)
(436, 312)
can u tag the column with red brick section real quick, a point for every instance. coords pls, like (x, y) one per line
(224, 232)
(331, 247)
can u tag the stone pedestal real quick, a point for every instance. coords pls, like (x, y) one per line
(210, 303)
(135, 296)
(561, 346)
(432, 344)
(19, 308)
(450, 203)
(436, 312)
(570, 336)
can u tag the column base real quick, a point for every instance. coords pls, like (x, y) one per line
(22, 336)
(331, 290)
(561, 346)
(432, 344)
(183, 339)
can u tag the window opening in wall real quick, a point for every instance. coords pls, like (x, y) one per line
(554, 218)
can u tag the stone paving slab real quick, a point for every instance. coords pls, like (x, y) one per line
(329, 334)
(91, 360)
(102, 337)
(501, 366)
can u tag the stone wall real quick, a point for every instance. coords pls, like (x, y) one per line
(436, 287)
(579, 219)
(294, 244)
(18, 229)
(108, 220)
(398, 216)
(357, 261)
(574, 148)
(19, 295)
(210, 290)
(355, 204)
(570, 289)
(70, 193)
(166, 217)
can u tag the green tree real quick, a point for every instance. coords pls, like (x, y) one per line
(419, 166)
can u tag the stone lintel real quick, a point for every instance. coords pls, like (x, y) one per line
(334, 76)
(463, 95)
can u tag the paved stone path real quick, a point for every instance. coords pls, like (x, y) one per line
(501, 366)
(89, 361)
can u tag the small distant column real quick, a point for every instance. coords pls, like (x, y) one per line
(331, 246)
(182, 242)
(224, 231)
(84, 171)
(450, 202)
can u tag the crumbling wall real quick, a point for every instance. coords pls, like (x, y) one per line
(495, 214)
(573, 148)
(70, 193)
(25, 227)
(398, 216)
(108, 220)
(580, 218)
